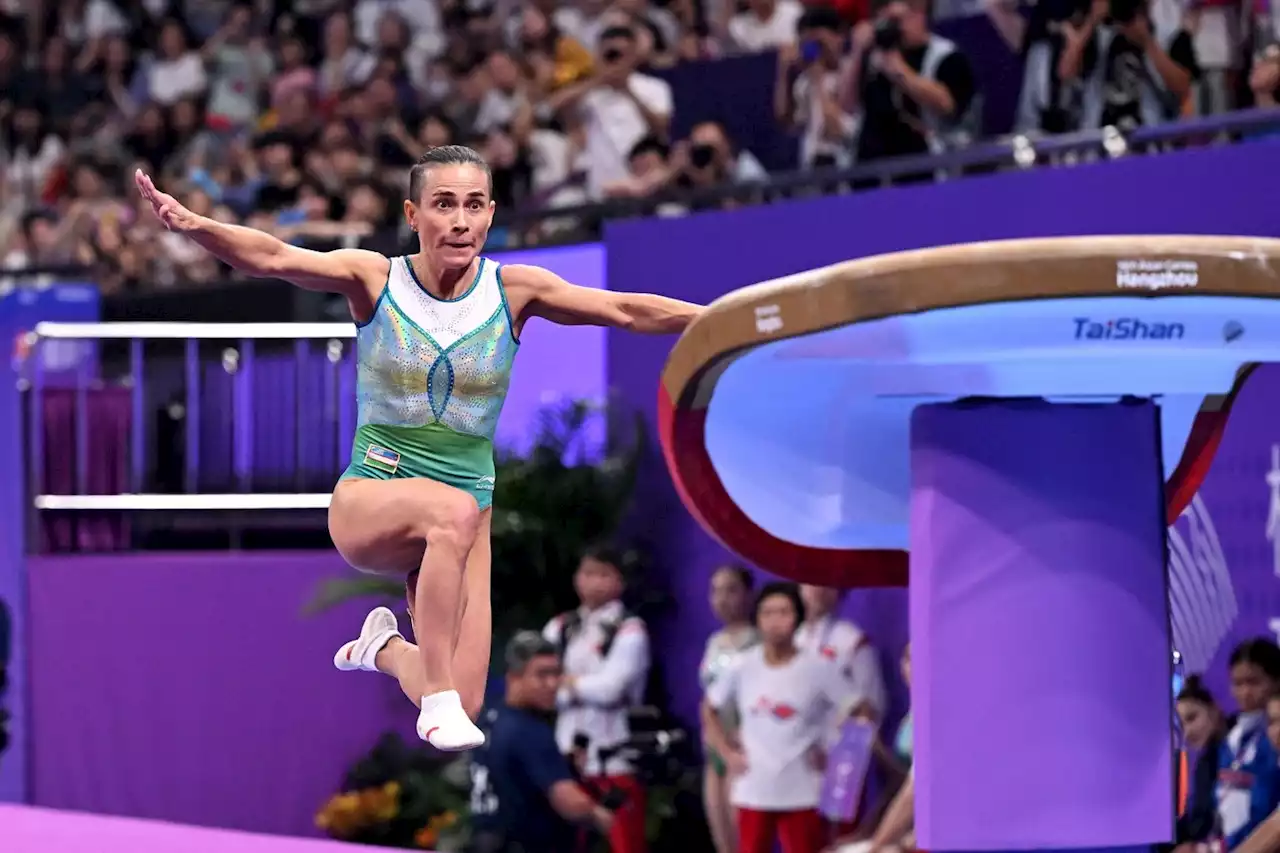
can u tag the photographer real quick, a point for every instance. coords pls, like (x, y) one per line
(524, 795)
(605, 652)
(804, 94)
(1130, 79)
(914, 90)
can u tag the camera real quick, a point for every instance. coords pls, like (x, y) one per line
(611, 55)
(659, 750)
(888, 34)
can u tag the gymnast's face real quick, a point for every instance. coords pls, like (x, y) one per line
(453, 214)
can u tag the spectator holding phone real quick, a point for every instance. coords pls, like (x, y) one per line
(805, 92)
(618, 107)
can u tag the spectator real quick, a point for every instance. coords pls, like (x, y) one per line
(31, 152)
(619, 107)
(805, 92)
(648, 170)
(294, 76)
(1203, 729)
(507, 101)
(1248, 775)
(344, 64)
(35, 244)
(1045, 103)
(59, 91)
(914, 90)
(556, 59)
(240, 66)
(1264, 79)
(730, 596)
(1217, 38)
(783, 697)
(708, 159)
(764, 25)
(1129, 77)
(176, 71)
(825, 634)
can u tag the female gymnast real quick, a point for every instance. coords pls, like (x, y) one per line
(437, 334)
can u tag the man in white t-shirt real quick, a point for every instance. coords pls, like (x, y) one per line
(765, 25)
(784, 698)
(619, 107)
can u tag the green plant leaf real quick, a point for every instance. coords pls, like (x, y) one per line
(335, 591)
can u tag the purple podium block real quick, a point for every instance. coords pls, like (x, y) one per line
(1040, 628)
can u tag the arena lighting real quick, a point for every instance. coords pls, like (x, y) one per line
(190, 503)
(182, 331)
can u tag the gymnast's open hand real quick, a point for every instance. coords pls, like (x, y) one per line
(171, 213)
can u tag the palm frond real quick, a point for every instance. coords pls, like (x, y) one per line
(335, 591)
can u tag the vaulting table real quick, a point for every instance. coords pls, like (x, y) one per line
(1023, 419)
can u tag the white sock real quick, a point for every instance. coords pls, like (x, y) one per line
(443, 724)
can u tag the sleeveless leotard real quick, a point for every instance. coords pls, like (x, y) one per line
(432, 375)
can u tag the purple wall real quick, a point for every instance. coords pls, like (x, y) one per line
(703, 257)
(191, 688)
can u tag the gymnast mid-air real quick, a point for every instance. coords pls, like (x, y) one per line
(437, 333)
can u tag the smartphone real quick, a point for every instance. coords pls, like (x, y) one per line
(809, 50)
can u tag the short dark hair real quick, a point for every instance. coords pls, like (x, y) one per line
(649, 144)
(1194, 690)
(444, 155)
(820, 18)
(740, 573)
(617, 31)
(523, 648)
(787, 590)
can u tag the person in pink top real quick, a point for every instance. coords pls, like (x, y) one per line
(784, 698)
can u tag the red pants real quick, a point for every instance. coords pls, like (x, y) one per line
(627, 834)
(797, 832)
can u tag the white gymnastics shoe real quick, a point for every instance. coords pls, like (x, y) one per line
(443, 724)
(380, 627)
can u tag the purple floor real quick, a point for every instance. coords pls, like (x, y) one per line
(32, 830)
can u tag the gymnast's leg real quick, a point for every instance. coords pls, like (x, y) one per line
(372, 523)
(395, 656)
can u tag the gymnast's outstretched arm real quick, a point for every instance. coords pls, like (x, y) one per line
(350, 272)
(536, 292)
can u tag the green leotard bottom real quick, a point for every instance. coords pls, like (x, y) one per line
(433, 452)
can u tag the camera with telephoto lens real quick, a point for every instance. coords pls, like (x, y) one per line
(659, 751)
(888, 34)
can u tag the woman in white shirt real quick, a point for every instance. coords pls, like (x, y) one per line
(783, 697)
(730, 601)
(176, 72)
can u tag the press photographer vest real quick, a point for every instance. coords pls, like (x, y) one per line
(571, 623)
(942, 133)
(1152, 108)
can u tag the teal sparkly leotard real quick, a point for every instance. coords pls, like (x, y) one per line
(432, 378)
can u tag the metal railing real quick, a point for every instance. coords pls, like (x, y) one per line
(113, 356)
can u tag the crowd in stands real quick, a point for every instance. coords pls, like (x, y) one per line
(301, 116)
